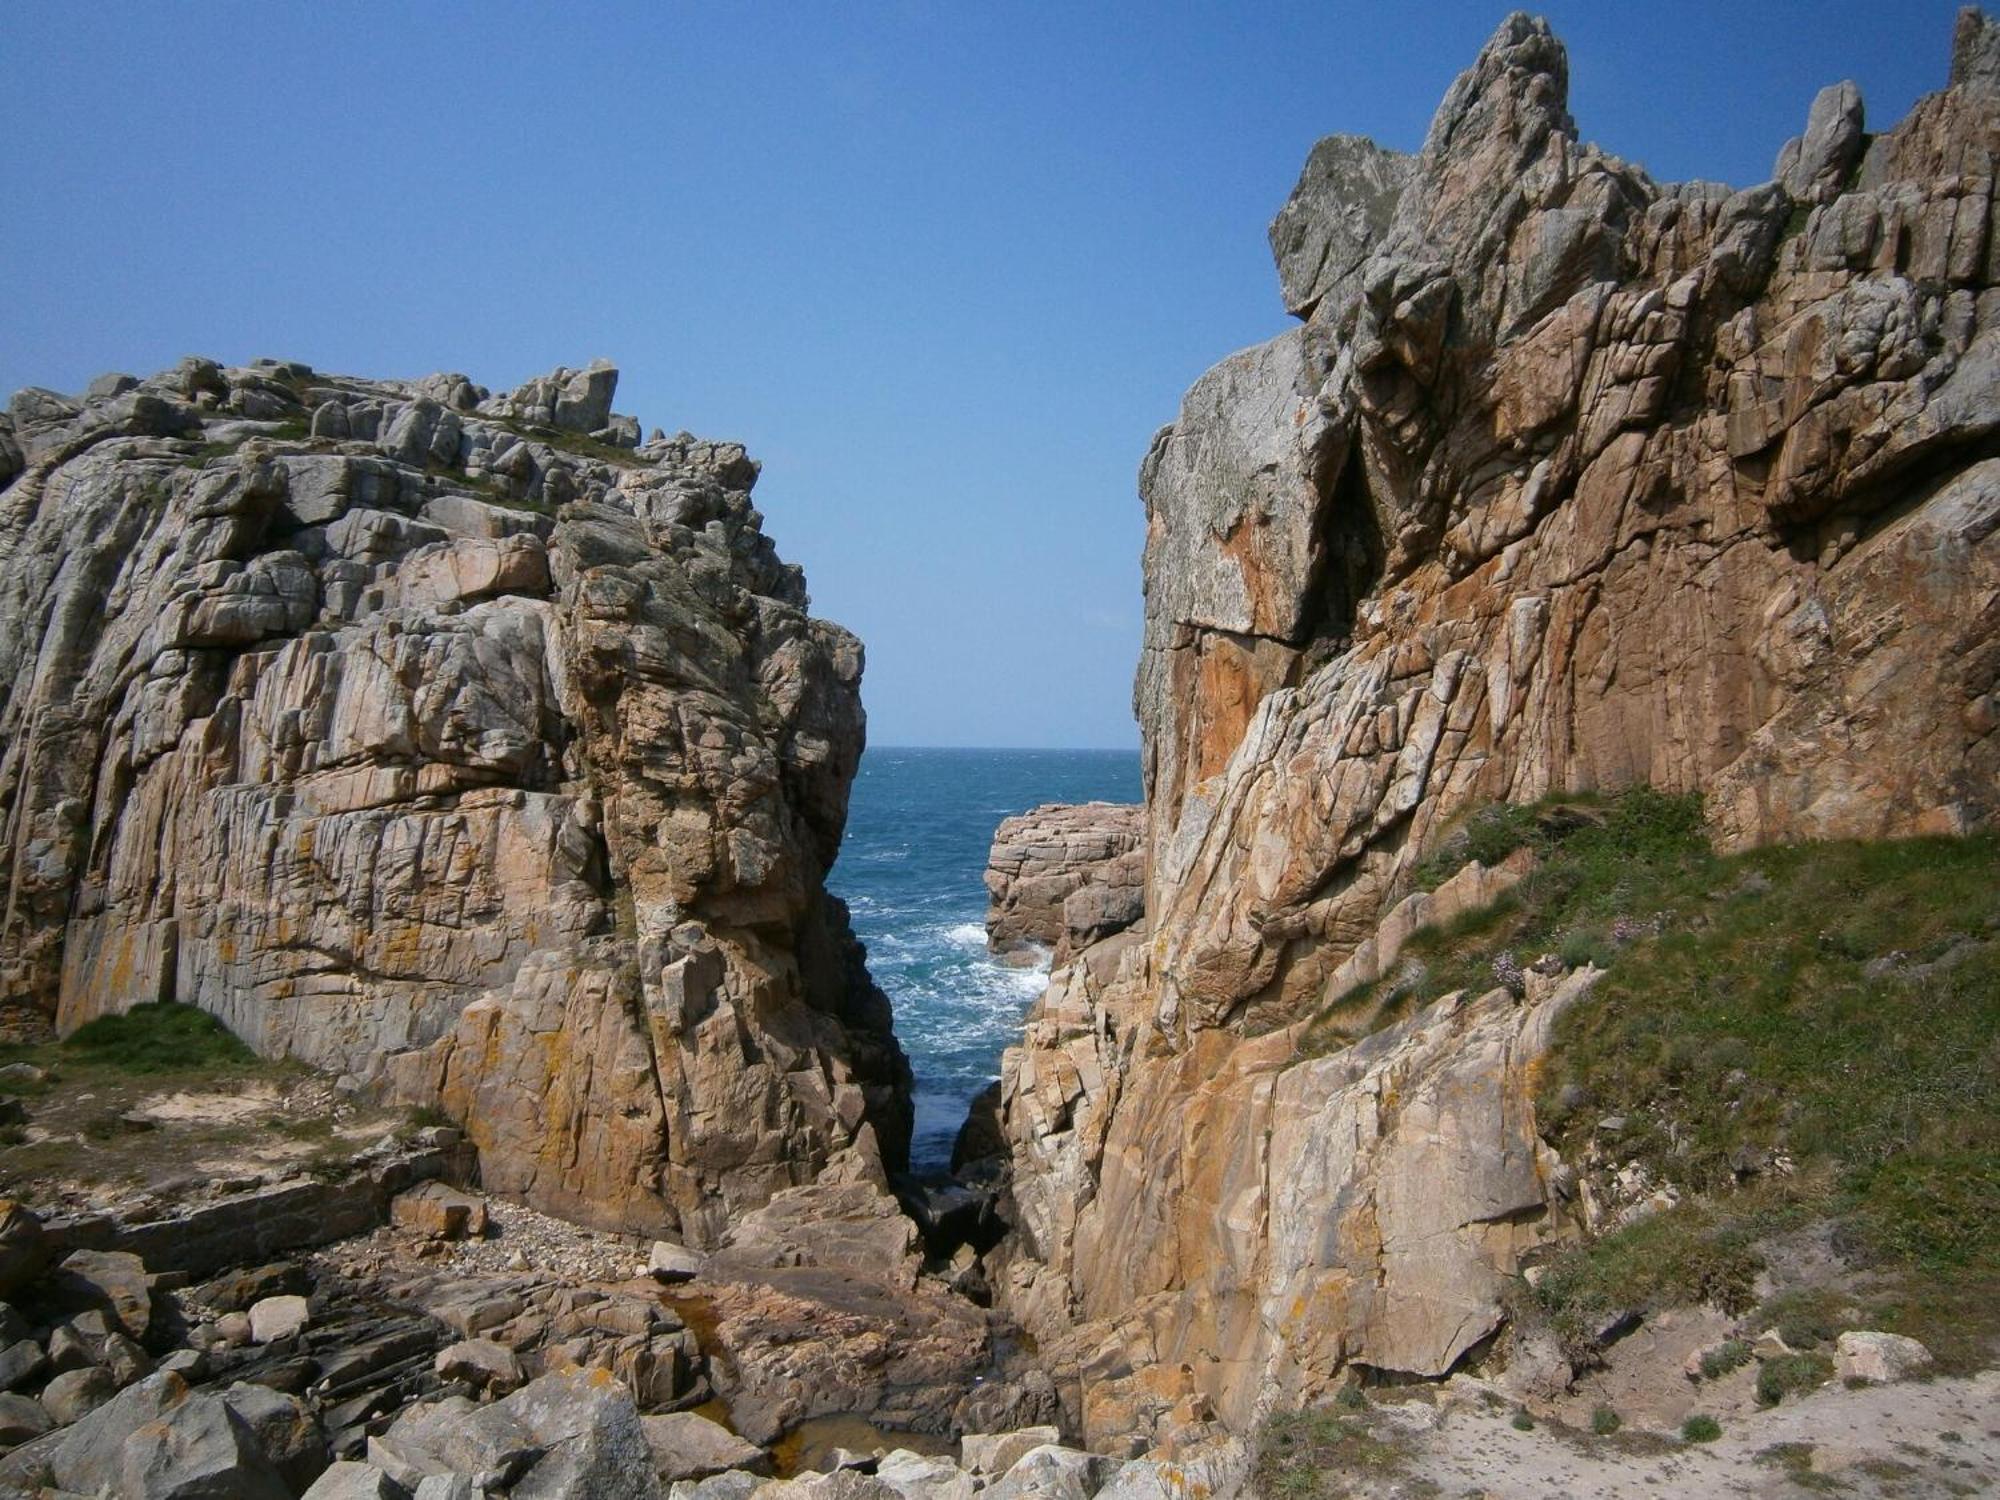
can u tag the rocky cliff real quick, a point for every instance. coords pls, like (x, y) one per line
(1568, 479)
(462, 744)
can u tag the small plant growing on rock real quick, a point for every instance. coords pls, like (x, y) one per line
(1701, 1428)
(1604, 1421)
(1351, 1398)
(1731, 1354)
(1522, 1421)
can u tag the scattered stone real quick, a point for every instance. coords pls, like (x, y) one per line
(276, 1318)
(439, 1211)
(113, 1280)
(203, 1449)
(70, 1348)
(916, 1477)
(670, 1263)
(686, 1446)
(24, 1253)
(1055, 1472)
(21, 1364)
(481, 1364)
(734, 1485)
(1879, 1357)
(124, 1359)
(287, 1432)
(21, 1418)
(1771, 1345)
(74, 1394)
(355, 1481)
(233, 1330)
(994, 1453)
(236, 1290)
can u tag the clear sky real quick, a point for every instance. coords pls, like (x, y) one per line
(943, 267)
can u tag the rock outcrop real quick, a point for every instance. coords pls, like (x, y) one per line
(460, 744)
(1568, 480)
(1063, 875)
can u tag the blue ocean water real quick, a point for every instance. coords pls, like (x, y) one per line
(919, 825)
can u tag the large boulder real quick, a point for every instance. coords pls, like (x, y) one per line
(687, 1446)
(24, 1250)
(1064, 875)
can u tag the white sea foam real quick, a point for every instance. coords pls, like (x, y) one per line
(971, 934)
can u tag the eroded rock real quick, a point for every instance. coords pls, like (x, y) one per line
(1569, 479)
(493, 765)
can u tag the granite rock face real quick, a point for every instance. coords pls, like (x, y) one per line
(416, 733)
(1063, 875)
(1569, 479)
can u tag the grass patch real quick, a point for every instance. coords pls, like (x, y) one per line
(1671, 1259)
(1806, 1317)
(1311, 1453)
(1701, 1428)
(1599, 862)
(1791, 1034)
(1604, 1421)
(578, 444)
(154, 1039)
(1791, 1375)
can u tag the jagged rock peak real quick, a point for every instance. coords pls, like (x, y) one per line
(452, 743)
(1568, 480)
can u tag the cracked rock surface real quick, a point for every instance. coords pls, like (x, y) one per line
(461, 744)
(1568, 479)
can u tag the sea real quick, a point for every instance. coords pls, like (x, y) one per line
(919, 825)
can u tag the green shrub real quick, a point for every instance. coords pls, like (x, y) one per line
(1792, 1374)
(1731, 1354)
(1522, 1421)
(1701, 1428)
(1351, 1398)
(1604, 1421)
(1804, 1317)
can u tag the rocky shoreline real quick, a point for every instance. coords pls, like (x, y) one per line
(479, 764)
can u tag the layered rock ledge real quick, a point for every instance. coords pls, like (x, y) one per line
(1063, 875)
(1568, 480)
(461, 744)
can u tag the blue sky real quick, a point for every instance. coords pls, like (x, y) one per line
(944, 267)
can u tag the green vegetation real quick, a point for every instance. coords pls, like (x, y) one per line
(1730, 1354)
(150, 1039)
(1604, 868)
(1604, 1421)
(1667, 1260)
(1791, 1374)
(1521, 1421)
(1311, 1453)
(1701, 1428)
(578, 444)
(1807, 1317)
(1788, 1035)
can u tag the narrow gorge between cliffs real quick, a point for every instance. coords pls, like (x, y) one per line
(479, 1022)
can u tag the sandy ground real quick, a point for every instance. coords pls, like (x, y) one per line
(1915, 1439)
